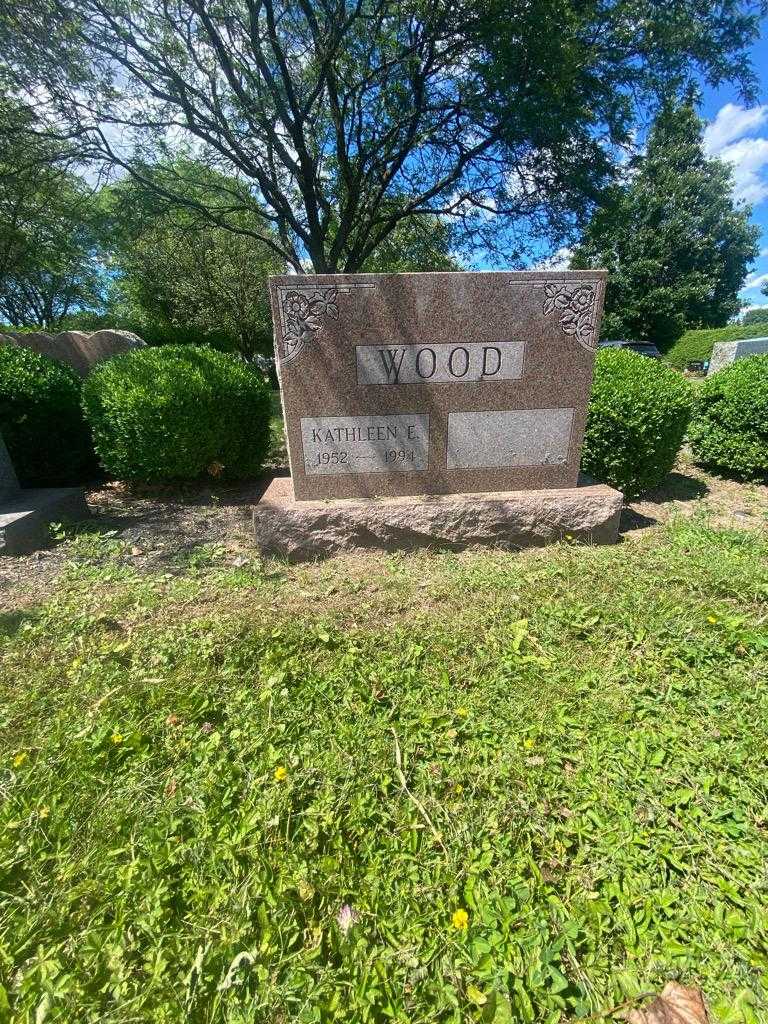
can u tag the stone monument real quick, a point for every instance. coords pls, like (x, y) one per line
(438, 408)
(726, 352)
(79, 349)
(25, 514)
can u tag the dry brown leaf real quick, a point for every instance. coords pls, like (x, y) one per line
(675, 1005)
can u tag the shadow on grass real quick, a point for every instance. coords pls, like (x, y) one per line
(11, 622)
(677, 487)
(631, 520)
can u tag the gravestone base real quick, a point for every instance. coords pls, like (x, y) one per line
(306, 530)
(25, 515)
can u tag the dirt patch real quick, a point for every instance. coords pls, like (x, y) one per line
(689, 491)
(169, 529)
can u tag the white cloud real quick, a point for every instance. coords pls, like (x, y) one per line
(559, 260)
(728, 137)
(749, 159)
(732, 122)
(755, 281)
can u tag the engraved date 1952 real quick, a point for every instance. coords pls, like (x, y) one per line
(331, 458)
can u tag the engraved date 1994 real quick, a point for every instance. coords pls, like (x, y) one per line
(400, 455)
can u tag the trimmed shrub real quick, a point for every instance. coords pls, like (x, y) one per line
(638, 415)
(41, 419)
(176, 413)
(729, 429)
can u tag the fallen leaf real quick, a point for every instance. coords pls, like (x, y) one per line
(675, 1005)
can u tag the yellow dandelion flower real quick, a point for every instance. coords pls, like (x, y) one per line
(460, 919)
(281, 772)
(117, 737)
(462, 712)
(458, 790)
(529, 744)
(44, 812)
(712, 619)
(20, 758)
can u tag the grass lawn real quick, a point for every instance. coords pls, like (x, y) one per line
(202, 766)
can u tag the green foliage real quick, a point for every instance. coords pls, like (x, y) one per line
(48, 227)
(177, 412)
(675, 244)
(637, 420)
(177, 276)
(329, 113)
(417, 245)
(603, 830)
(729, 429)
(698, 345)
(755, 316)
(41, 420)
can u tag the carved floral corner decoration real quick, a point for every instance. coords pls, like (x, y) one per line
(303, 311)
(575, 305)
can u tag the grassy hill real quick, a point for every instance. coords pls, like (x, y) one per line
(698, 344)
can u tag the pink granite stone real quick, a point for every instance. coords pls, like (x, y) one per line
(448, 383)
(305, 530)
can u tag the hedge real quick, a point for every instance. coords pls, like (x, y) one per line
(178, 413)
(729, 430)
(698, 345)
(638, 415)
(41, 420)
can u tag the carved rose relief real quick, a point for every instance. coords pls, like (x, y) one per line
(303, 311)
(574, 305)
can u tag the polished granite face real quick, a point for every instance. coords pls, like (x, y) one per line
(396, 384)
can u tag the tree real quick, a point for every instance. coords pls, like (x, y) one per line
(48, 255)
(675, 243)
(344, 118)
(176, 273)
(756, 316)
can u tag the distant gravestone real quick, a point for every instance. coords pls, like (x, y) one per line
(79, 349)
(25, 514)
(726, 352)
(453, 384)
(9, 482)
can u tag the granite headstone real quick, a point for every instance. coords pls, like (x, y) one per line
(25, 513)
(436, 383)
(726, 352)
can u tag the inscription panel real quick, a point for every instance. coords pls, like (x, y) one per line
(517, 437)
(462, 363)
(342, 445)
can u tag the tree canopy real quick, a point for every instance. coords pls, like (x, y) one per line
(48, 230)
(675, 243)
(174, 273)
(343, 118)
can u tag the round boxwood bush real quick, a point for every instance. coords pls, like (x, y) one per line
(178, 412)
(41, 420)
(638, 415)
(729, 429)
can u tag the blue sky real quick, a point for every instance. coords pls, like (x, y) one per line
(739, 134)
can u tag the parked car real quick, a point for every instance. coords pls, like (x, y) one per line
(645, 348)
